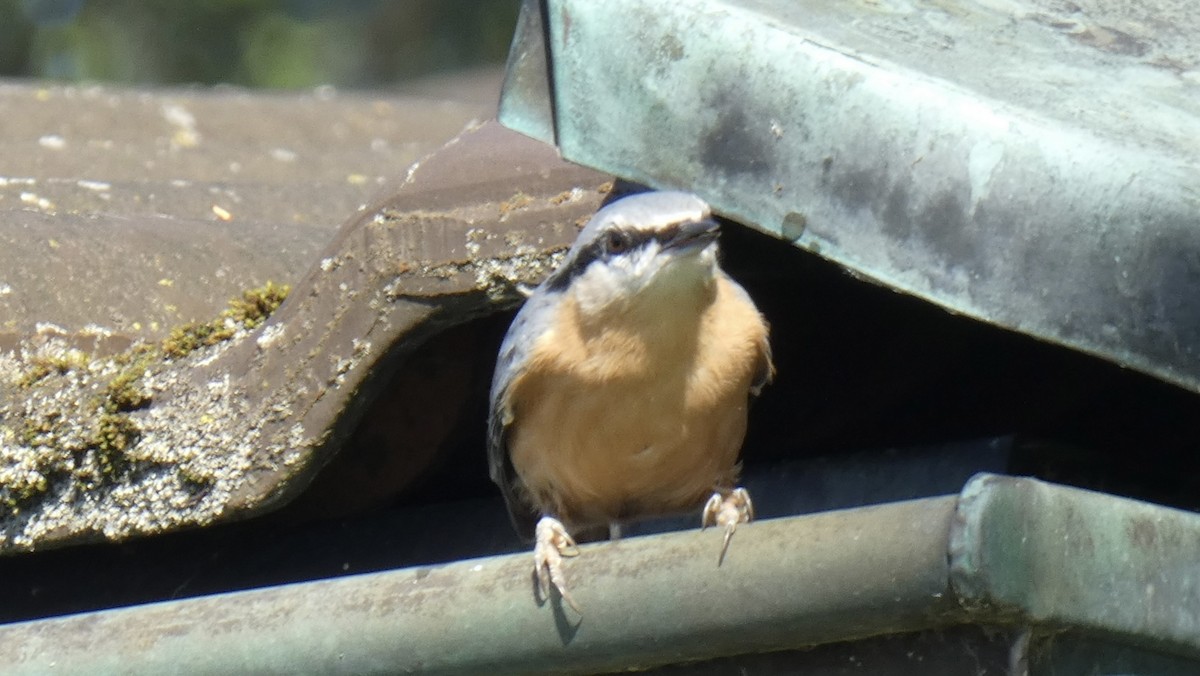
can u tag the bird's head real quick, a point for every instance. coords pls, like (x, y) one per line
(653, 247)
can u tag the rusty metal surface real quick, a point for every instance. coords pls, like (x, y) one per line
(126, 211)
(233, 429)
(1032, 164)
(1063, 581)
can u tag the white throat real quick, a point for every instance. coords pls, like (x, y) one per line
(647, 281)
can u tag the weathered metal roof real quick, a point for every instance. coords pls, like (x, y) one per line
(1032, 164)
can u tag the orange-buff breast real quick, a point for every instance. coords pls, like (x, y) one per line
(639, 415)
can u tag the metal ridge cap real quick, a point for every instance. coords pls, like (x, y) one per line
(652, 600)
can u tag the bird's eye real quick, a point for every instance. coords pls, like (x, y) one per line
(616, 242)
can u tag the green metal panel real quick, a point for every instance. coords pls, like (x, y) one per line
(1060, 557)
(1033, 164)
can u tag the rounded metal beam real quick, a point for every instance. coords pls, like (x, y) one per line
(646, 601)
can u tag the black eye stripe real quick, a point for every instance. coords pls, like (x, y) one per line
(598, 249)
(630, 240)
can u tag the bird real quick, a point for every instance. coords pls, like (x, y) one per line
(622, 386)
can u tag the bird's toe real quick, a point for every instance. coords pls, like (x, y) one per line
(552, 542)
(728, 509)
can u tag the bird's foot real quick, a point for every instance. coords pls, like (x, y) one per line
(551, 543)
(728, 509)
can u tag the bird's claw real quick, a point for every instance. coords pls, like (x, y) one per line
(551, 543)
(727, 509)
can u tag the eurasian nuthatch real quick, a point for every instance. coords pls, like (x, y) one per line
(622, 386)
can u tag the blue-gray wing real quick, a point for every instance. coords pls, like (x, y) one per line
(764, 370)
(531, 321)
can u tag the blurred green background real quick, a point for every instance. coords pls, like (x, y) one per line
(254, 43)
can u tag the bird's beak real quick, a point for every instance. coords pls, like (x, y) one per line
(694, 236)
